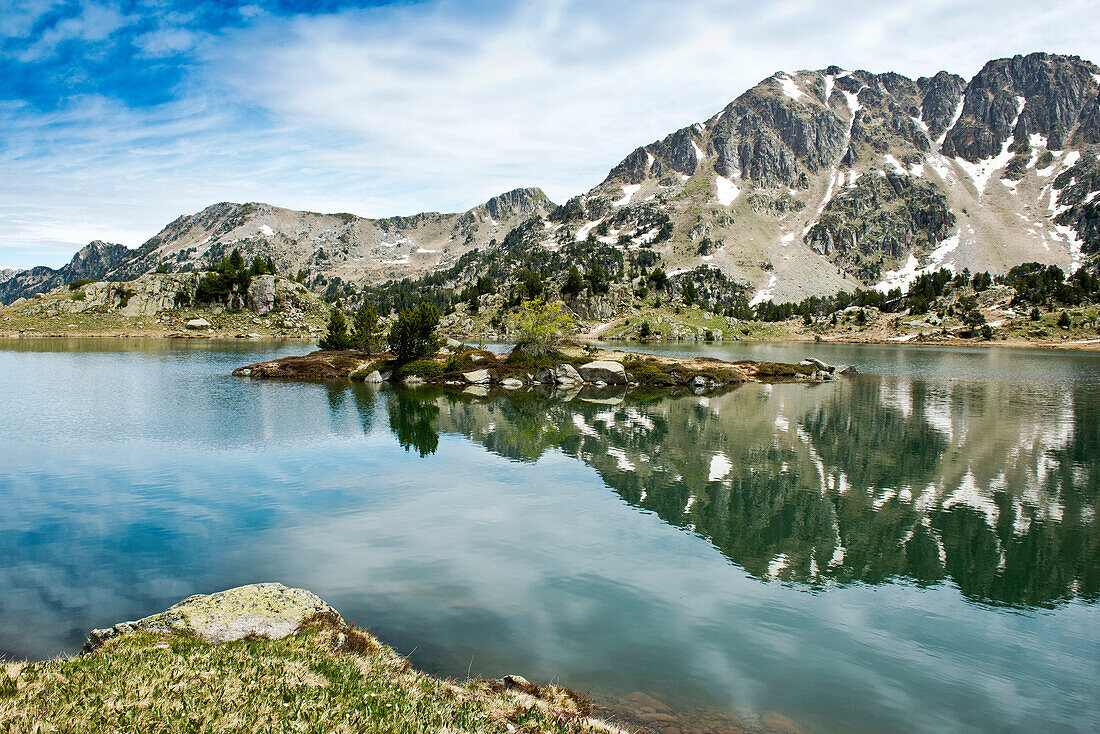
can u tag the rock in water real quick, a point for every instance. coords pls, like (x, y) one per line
(477, 377)
(267, 610)
(613, 373)
(567, 374)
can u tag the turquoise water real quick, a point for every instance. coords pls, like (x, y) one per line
(912, 550)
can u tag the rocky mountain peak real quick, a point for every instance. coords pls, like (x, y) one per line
(517, 201)
(1038, 94)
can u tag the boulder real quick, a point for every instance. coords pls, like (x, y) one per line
(698, 381)
(261, 294)
(477, 377)
(374, 378)
(818, 364)
(613, 373)
(196, 324)
(511, 383)
(849, 370)
(566, 373)
(268, 610)
(454, 343)
(544, 376)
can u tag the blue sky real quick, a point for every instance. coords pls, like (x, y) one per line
(118, 116)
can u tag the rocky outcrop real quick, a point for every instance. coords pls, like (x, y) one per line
(566, 374)
(942, 94)
(261, 294)
(1077, 201)
(93, 261)
(268, 610)
(1054, 96)
(879, 220)
(478, 377)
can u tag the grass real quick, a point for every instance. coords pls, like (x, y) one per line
(44, 316)
(327, 677)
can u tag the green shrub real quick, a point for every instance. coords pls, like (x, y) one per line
(647, 374)
(79, 296)
(1063, 320)
(424, 368)
(81, 283)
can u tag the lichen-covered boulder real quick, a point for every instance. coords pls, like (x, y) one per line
(477, 377)
(610, 372)
(566, 373)
(265, 610)
(261, 294)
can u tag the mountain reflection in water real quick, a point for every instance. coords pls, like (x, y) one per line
(915, 549)
(870, 481)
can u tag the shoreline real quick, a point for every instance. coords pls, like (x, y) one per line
(1087, 345)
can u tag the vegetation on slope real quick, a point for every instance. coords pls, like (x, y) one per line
(328, 677)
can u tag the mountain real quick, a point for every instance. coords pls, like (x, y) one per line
(823, 179)
(808, 183)
(94, 261)
(330, 249)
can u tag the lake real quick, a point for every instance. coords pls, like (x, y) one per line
(915, 549)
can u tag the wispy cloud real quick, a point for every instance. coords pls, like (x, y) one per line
(432, 105)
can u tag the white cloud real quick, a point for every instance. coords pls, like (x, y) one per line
(95, 23)
(434, 106)
(166, 41)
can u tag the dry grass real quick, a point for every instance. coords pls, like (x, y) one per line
(326, 678)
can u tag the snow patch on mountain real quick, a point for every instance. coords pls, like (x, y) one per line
(954, 119)
(983, 170)
(699, 157)
(903, 277)
(727, 190)
(790, 88)
(765, 293)
(628, 192)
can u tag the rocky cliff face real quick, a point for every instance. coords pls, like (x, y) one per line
(880, 219)
(1039, 94)
(92, 261)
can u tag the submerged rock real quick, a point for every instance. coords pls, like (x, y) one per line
(266, 610)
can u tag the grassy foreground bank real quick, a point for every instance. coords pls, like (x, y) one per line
(326, 677)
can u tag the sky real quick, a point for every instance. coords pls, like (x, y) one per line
(117, 116)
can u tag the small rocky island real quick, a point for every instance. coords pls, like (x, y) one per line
(458, 365)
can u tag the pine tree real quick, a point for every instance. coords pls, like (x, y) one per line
(413, 334)
(573, 284)
(365, 328)
(689, 293)
(336, 338)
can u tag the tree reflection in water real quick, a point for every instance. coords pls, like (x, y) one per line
(871, 481)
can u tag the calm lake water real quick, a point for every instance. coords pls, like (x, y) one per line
(912, 550)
